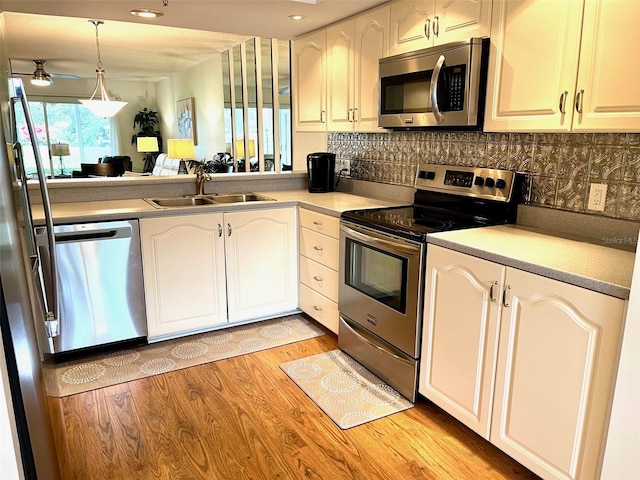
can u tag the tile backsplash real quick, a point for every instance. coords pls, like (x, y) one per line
(562, 165)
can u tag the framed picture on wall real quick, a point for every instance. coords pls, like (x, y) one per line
(187, 119)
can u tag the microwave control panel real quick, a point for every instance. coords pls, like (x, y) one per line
(456, 76)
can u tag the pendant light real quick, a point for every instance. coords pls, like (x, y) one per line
(100, 104)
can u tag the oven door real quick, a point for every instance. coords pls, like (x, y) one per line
(381, 285)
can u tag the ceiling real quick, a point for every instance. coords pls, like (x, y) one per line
(132, 48)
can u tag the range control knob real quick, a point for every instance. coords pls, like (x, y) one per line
(479, 181)
(489, 182)
(500, 183)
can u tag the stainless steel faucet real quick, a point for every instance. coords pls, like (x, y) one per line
(201, 177)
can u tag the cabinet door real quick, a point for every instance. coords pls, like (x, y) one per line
(557, 356)
(184, 273)
(456, 20)
(532, 65)
(459, 343)
(410, 25)
(309, 82)
(609, 95)
(340, 63)
(372, 43)
(262, 263)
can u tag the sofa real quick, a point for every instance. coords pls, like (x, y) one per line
(166, 166)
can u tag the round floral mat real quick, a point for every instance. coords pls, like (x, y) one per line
(343, 389)
(103, 370)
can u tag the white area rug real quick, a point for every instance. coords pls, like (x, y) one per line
(345, 390)
(123, 366)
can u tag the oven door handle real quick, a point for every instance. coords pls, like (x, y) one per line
(376, 241)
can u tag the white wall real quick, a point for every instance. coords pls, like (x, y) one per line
(622, 454)
(204, 83)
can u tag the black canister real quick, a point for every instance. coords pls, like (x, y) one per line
(321, 170)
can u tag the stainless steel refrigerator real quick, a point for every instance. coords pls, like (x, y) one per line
(22, 306)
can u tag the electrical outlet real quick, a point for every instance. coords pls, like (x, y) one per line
(343, 168)
(597, 196)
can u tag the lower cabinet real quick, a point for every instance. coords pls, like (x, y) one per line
(319, 259)
(525, 361)
(202, 271)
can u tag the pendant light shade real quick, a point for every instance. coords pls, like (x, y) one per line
(100, 104)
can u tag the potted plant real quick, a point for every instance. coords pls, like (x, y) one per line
(147, 121)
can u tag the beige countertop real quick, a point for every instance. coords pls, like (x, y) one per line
(333, 203)
(570, 259)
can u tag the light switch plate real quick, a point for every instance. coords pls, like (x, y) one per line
(597, 196)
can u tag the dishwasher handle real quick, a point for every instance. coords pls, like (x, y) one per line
(93, 235)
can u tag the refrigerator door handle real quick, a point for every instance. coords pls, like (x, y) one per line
(50, 295)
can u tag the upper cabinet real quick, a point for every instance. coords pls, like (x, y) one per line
(335, 74)
(309, 82)
(425, 23)
(562, 66)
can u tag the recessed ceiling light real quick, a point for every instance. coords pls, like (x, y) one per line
(296, 17)
(146, 13)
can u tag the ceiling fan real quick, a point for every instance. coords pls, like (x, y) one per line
(41, 77)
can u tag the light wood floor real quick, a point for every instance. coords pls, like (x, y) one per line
(242, 418)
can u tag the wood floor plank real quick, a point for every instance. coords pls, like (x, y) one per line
(243, 418)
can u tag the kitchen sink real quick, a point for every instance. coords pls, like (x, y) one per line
(239, 198)
(196, 200)
(185, 201)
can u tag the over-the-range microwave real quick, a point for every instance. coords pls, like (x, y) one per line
(437, 87)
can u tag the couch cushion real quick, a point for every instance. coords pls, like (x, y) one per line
(166, 166)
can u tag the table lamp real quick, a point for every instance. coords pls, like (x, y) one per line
(60, 150)
(147, 145)
(182, 149)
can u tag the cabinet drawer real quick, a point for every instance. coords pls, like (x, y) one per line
(319, 307)
(319, 247)
(320, 278)
(319, 222)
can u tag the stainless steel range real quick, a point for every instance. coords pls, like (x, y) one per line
(382, 258)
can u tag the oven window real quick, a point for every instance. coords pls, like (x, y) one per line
(378, 274)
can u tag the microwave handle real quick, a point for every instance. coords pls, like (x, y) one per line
(433, 89)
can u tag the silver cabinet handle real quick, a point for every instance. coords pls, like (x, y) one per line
(317, 223)
(228, 229)
(433, 89)
(317, 278)
(322, 112)
(317, 308)
(491, 297)
(219, 230)
(354, 116)
(505, 297)
(317, 248)
(436, 26)
(579, 97)
(563, 102)
(350, 115)
(427, 28)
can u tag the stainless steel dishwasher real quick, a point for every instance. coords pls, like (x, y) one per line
(100, 286)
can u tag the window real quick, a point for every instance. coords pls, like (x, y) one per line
(89, 137)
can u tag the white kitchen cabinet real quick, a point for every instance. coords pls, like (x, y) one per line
(319, 263)
(535, 89)
(552, 371)
(261, 248)
(309, 82)
(425, 23)
(354, 48)
(459, 343)
(203, 271)
(184, 273)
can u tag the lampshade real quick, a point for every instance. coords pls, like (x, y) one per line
(60, 149)
(183, 149)
(240, 148)
(100, 104)
(147, 144)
